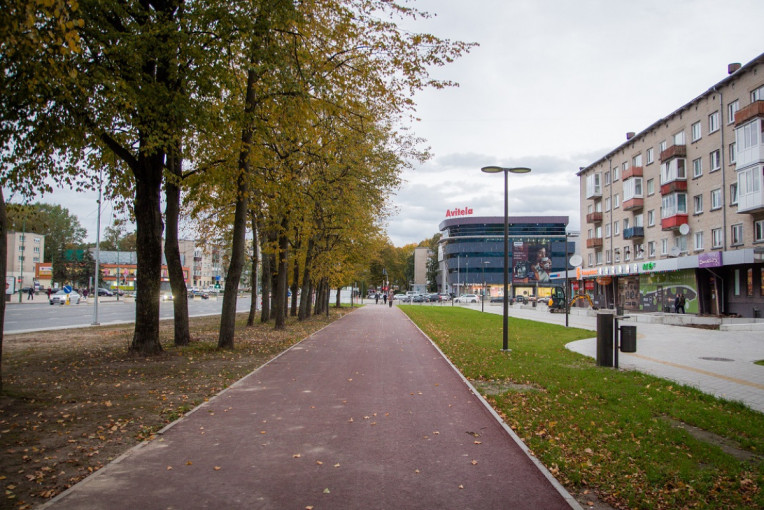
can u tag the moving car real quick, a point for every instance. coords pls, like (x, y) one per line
(467, 298)
(59, 298)
(167, 295)
(105, 292)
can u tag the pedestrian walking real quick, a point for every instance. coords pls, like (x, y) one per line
(31, 294)
(385, 298)
(49, 292)
(680, 304)
(376, 298)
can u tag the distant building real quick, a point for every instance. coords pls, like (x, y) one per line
(421, 256)
(25, 251)
(679, 207)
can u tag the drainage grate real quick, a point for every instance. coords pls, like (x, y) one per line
(717, 359)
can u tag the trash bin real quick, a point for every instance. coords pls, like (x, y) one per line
(628, 338)
(756, 313)
(605, 339)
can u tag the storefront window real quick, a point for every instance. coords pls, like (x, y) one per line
(750, 282)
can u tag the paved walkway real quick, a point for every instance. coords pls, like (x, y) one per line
(720, 363)
(365, 413)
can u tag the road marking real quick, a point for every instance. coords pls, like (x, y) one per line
(701, 371)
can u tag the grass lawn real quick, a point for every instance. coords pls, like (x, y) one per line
(73, 399)
(633, 440)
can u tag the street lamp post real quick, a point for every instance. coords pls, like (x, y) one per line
(482, 301)
(506, 171)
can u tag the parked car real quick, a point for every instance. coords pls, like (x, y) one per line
(418, 298)
(399, 297)
(432, 298)
(105, 292)
(500, 299)
(444, 297)
(467, 298)
(59, 298)
(200, 293)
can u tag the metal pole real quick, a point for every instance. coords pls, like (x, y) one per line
(565, 294)
(98, 252)
(505, 325)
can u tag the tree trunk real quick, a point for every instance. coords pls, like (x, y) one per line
(306, 288)
(295, 286)
(253, 279)
(228, 313)
(265, 278)
(337, 301)
(172, 250)
(148, 220)
(282, 281)
(3, 270)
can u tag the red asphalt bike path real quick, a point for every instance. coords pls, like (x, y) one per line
(366, 413)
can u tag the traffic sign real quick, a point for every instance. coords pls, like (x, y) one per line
(67, 289)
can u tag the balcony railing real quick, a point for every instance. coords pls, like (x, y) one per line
(634, 171)
(595, 217)
(633, 232)
(594, 242)
(675, 151)
(633, 204)
(755, 109)
(673, 187)
(673, 222)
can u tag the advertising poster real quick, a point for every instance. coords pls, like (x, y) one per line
(531, 263)
(658, 291)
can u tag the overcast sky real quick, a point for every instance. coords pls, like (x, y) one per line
(554, 85)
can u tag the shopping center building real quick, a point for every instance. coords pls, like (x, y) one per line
(678, 208)
(471, 254)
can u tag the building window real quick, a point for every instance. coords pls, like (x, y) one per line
(662, 146)
(695, 131)
(650, 187)
(616, 228)
(697, 167)
(673, 170)
(713, 122)
(632, 188)
(716, 160)
(732, 108)
(747, 135)
(716, 238)
(736, 232)
(607, 178)
(758, 232)
(607, 230)
(638, 220)
(737, 282)
(636, 161)
(616, 173)
(697, 202)
(716, 199)
(650, 155)
(598, 257)
(616, 200)
(651, 218)
(590, 260)
(757, 94)
(673, 204)
(698, 241)
(681, 243)
(733, 153)
(593, 185)
(608, 259)
(651, 248)
(679, 138)
(607, 204)
(664, 246)
(733, 193)
(749, 184)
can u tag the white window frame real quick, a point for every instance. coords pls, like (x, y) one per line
(716, 238)
(697, 203)
(650, 156)
(598, 257)
(607, 230)
(650, 187)
(733, 153)
(716, 160)
(616, 228)
(673, 204)
(608, 259)
(651, 218)
(679, 138)
(616, 173)
(713, 122)
(716, 199)
(616, 200)
(697, 167)
(590, 260)
(732, 108)
(736, 234)
(593, 187)
(636, 161)
(698, 241)
(632, 188)
(757, 94)
(758, 231)
(664, 246)
(607, 204)
(651, 248)
(696, 131)
(674, 169)
(733, 193)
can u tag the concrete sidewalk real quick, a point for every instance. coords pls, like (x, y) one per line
(720, 363)
(366, 413)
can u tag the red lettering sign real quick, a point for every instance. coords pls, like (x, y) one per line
(458, 212)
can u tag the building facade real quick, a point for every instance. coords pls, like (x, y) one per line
(25, 252)
(679, 207)
(471, 255)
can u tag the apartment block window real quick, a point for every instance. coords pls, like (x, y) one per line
(732, 153)
(732, 108)
(757, 94)
(716, 160)
(681, 243)
(697, 202)
(616, 228)
(21, 259)
(593, 185)
(616, 173)
(639, 220)
(649, 155)
(589, 209)
(679, 138)
(747, 135)
(716, 238)
(598, 258)
(632, 188)
(664, 246)
(607, 230)
(37, 240)
(733, 193)
(662, 146)
(673, 204)
(608, 259)
(37, 249)
(617, 255)
(651, 248)
(590, 260)
(650, 187)
(607, 178)
(695, 129)
(673, 170)
(625, 223)
(698, 241)
(626, 254)
(697, 167)
(651, 218)
(607, 204)
(636, 160)
(616, 200)
(736, 233)
(716, 199)
(758, 232)
(713, 122)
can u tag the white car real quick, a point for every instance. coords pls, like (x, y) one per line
(60, 298)
(467, 298)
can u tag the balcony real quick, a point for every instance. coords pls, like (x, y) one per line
(634, 171)
(634, 233)
(673, 187)
(673, 222)
(633, 204)
(595, 217)
(594, 242)
(675, 151)
(755, 109)
(750, 199)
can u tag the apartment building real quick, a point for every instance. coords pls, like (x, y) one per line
(25, 253)
(679, 207)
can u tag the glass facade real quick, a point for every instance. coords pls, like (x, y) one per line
(472, 253)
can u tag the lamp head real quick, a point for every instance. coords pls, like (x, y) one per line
(497, 169)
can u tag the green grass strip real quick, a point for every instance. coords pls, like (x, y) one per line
(635, 440)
